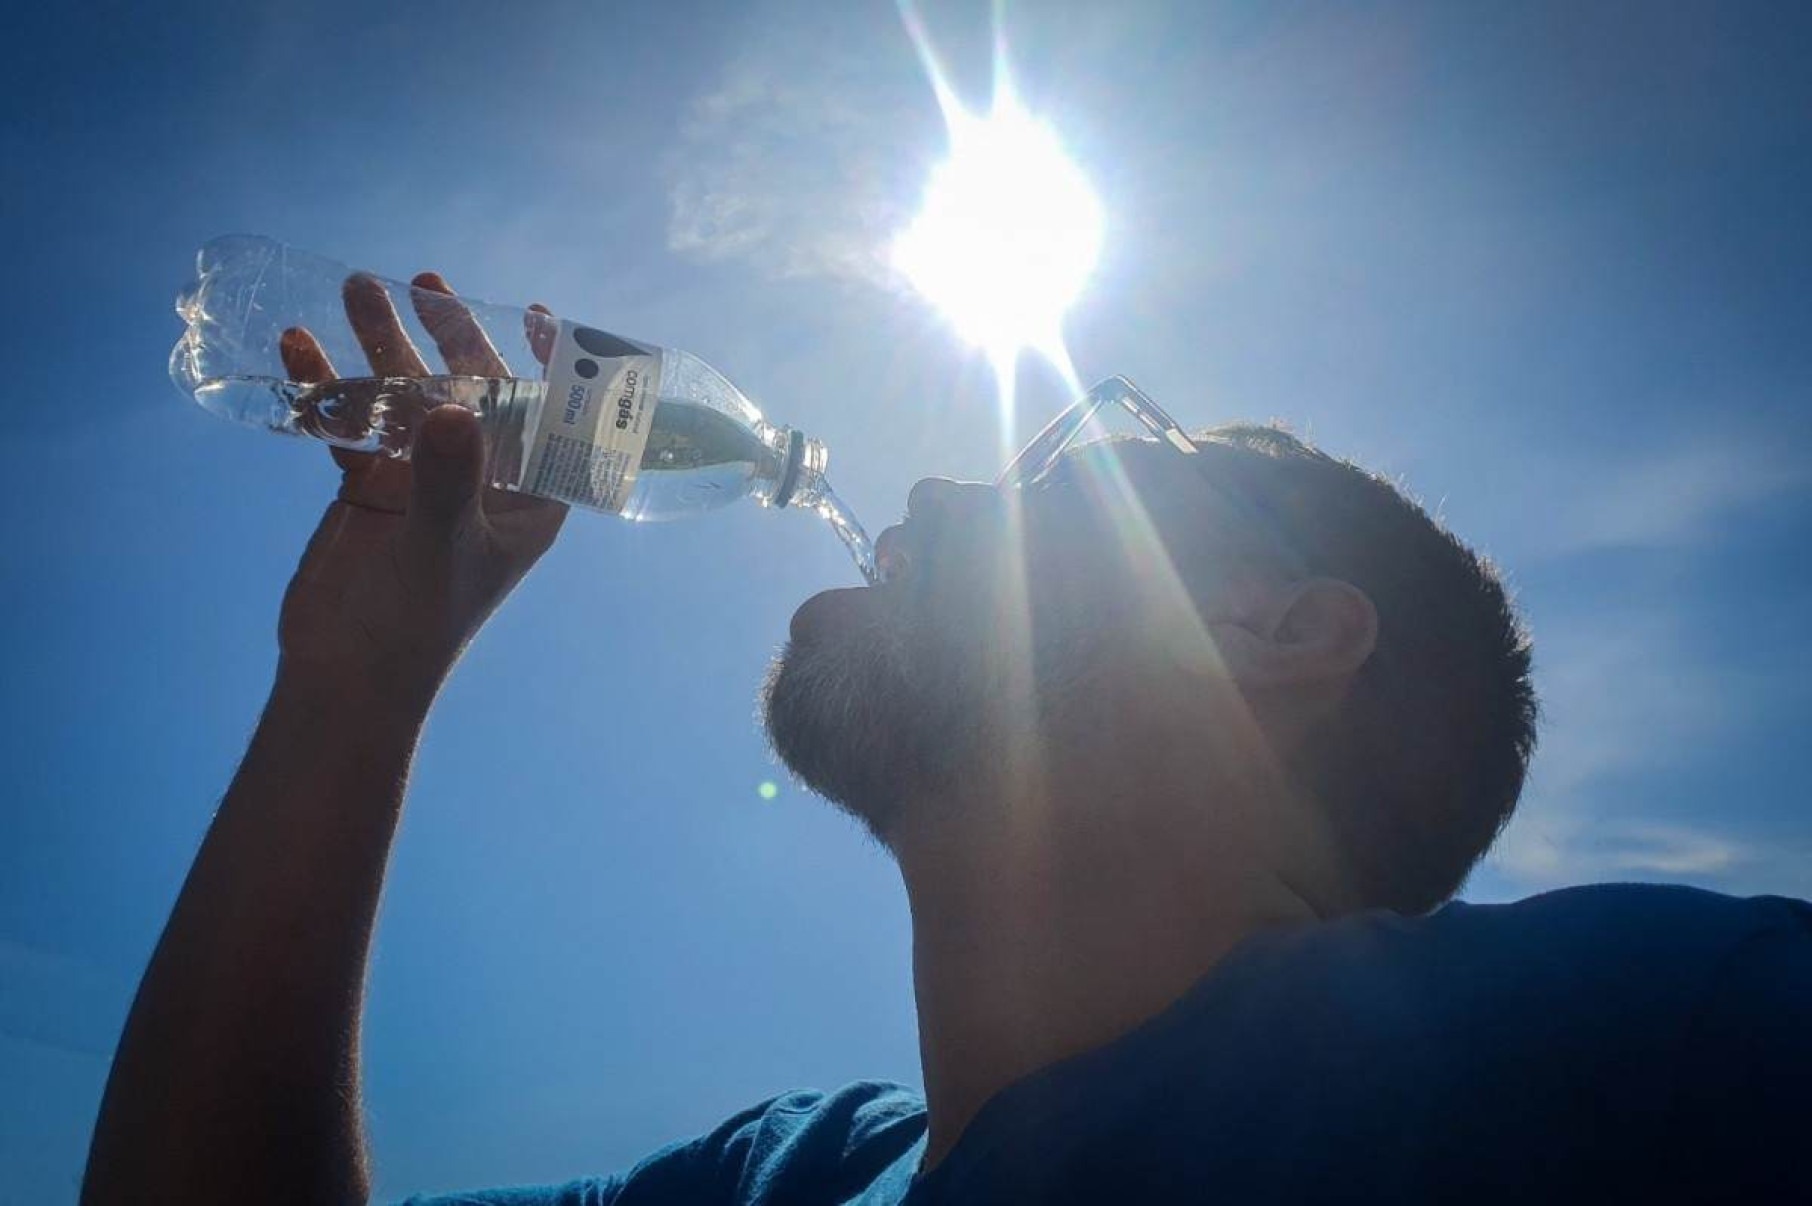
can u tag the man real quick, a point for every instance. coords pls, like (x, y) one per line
(1178, 744)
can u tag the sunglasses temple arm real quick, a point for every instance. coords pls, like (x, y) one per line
(1053, 439)
(1158, 423)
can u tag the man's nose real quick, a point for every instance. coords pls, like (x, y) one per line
(935, 498)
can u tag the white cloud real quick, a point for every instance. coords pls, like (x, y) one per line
(1669, 497)
(1628, 697)
(1557, 849)
(1674, 850)
(1622, 694)
(802, 161)
(1626, 689)
(1629, 689)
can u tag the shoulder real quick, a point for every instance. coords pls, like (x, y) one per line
(1616, 927)
(1627, 1018)
(1608, 974)
(1630, 970)
(1723, 985)
(1658, 943)
(1693, 911)
(1604, 930)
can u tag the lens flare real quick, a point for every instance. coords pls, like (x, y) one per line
(1006, 237)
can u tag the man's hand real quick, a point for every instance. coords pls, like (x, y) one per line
(413, 556)
(237, 1076)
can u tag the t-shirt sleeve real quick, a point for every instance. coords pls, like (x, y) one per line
(591, 1191)
(587, 1192)
(1747, 1065)
(689, 1171)
(803, 1145)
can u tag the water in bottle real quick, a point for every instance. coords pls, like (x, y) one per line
(580, 415)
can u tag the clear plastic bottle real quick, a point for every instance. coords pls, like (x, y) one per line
(600, 421)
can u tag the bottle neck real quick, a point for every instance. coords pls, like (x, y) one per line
(794, 476)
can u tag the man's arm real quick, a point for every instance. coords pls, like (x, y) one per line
(237, 1076)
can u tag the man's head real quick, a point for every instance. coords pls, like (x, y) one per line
(1259, 612)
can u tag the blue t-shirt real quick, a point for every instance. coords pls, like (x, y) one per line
(1626, 1043)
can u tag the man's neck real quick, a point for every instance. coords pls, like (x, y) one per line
(1044, 927)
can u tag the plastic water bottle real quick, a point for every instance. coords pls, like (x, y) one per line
(599, 421)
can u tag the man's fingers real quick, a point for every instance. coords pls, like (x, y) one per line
(462, 342)
(353, 462)
(370, 481)
(380, 332)
(541, 327)
(303, 358)
(448, 464)
(306, 361)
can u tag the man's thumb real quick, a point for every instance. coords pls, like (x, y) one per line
(448, 464)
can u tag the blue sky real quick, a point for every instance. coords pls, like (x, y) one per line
(1545, 261)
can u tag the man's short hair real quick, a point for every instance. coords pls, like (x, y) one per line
(1419, 769)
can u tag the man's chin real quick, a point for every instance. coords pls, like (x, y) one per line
(830, 613)
(837, 706)
(870, 704)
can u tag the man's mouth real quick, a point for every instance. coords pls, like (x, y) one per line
(893, 563)
(834, 609)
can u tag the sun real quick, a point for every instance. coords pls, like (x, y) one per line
(1009, 230)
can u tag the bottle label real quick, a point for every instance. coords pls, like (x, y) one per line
(594, 422)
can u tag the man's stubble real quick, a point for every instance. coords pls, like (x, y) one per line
(906, 708)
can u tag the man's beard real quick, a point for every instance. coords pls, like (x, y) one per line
(874, 718)
(912, 708)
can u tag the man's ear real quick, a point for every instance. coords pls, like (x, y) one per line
(1316, 630)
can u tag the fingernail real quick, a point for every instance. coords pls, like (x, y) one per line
(433, 281)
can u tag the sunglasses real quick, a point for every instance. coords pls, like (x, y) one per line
(1037, 458)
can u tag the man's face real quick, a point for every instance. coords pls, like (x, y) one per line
(984, 619)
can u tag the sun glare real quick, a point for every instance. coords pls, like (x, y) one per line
(1008, 233)
(1009, 229)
